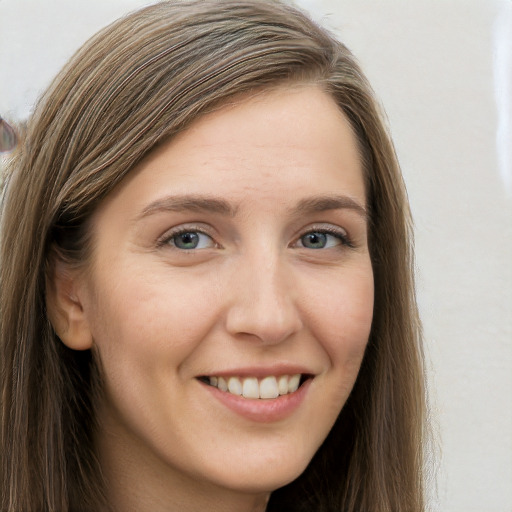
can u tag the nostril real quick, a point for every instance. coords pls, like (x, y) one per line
(261, 322)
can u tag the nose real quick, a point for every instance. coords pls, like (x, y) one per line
(264, 302)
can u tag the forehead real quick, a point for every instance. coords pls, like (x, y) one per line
(272, 146)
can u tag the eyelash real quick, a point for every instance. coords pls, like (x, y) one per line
(167, 239)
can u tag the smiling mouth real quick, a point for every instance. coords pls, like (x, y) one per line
(251, 387)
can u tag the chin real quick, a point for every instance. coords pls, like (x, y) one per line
(262, 478)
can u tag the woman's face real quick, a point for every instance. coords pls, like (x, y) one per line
(234, 256)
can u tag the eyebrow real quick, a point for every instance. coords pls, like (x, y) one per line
(189, 203)
(205, 204)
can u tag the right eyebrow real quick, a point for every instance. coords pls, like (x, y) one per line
(191, 203)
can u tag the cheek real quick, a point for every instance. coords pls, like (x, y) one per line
(343, 317)
(151, 319)
(144, 329)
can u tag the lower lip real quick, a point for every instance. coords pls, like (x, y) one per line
(266, 410)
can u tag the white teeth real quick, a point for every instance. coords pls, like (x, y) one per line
(235, 386)
(250, 387)
(282, 384)
(268, 388)
(293, 383)
(222, 384)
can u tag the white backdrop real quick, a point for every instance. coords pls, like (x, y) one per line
(443, 70)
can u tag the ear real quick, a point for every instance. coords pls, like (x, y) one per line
(64, 306)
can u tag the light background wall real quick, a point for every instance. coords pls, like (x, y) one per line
(443, 71)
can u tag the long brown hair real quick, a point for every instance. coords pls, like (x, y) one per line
(137, 83)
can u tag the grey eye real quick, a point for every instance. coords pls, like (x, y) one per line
(188, 240)
(319, 240)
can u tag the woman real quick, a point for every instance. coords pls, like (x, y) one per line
(207, 296)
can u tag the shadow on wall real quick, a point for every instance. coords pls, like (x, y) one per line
(8, 137)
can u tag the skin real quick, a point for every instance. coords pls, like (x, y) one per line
(252, 294)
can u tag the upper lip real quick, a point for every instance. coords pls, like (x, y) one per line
(260, 372)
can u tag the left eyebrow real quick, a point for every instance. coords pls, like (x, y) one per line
(325, 203)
